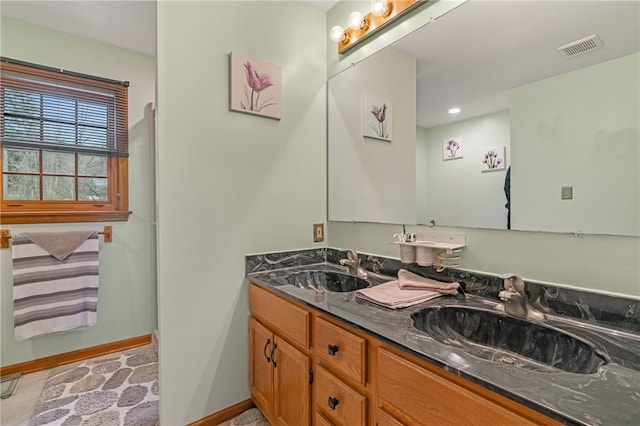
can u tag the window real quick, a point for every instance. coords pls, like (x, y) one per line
(64, 146)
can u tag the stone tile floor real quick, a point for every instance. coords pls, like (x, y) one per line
(18, 408)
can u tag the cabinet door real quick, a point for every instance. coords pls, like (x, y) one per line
(261, 342)
(385, 419)
(291, 382)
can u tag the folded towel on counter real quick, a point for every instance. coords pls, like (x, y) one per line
(408, 280)
(390, 295)
(52, 294)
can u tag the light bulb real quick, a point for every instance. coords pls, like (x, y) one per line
(378, 7)
(356, 20)
(454, 110)
(336, 34)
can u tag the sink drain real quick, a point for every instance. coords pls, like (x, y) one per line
(507, 359)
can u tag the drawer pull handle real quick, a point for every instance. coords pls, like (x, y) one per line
(264, 351)
(333, 402)
(332, 349)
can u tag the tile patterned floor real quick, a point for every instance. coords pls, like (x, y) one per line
(251, 417)
(17, 409)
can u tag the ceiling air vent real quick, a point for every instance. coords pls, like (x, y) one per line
(581, 47)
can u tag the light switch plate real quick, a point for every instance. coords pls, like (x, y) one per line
(318, 232)
(566, 193)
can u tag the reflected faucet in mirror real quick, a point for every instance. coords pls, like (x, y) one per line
(515, 300)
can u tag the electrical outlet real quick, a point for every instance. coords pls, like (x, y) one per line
(566, 193)
(318, 232)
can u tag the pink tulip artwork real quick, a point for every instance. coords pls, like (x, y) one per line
(377, 118)
(256, 86)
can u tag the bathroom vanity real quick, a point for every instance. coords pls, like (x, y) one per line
(321, 356)
(346, 377)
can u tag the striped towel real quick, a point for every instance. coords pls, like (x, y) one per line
(54, 292)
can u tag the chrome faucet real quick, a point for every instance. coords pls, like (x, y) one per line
(514, 299)
(353, 264)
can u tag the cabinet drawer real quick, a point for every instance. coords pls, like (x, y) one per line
(341, 350)
(337, 401)
(290, 320)
(414, 394)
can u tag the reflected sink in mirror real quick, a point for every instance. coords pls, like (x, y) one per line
(327, 281)
(498, 337)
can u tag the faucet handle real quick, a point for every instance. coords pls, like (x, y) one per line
(513, 282)
(351, 254)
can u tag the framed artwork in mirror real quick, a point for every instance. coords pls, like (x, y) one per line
(377, 116)
(493, 158)
(452, 148)
(256, 86)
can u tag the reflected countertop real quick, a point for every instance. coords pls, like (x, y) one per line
(610, 396)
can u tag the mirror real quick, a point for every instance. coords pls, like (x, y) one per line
(565, 126)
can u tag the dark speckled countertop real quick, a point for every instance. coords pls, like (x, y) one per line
(607, 394)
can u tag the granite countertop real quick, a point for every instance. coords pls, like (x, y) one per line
(610, 395)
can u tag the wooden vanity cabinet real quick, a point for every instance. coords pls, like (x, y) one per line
(280, 365)
(357, 379)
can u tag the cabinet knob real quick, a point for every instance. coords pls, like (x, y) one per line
(333, 402)
(332, 349)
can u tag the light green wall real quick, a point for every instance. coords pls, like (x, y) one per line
(127, 294)
(229, 184)
(598, 263)
(579, 129)
(479, 196)
(375, 168)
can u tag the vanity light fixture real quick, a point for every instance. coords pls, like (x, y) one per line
(454, 110)
(361, 27)
(379, 7)
(357, 21)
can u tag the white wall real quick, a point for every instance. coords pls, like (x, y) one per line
(229, 184)
(371, 180)
(579, 129)
(127, 294)
(460, 192)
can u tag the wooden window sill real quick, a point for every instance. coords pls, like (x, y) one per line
(13, 218)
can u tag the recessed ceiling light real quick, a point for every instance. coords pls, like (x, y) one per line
(454, 110)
